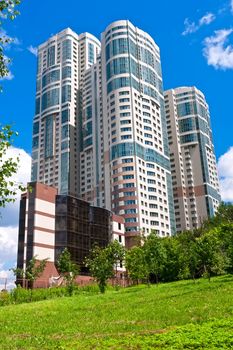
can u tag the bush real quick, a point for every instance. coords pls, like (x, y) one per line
(4, 298)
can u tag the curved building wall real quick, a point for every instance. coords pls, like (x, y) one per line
(62, 61)
(193, 161)
(135, 141)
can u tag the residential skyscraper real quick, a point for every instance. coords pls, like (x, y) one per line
(193, 163)
(100, 132)
(62, 62)
(137, 179)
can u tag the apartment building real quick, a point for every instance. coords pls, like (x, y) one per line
(193, 162)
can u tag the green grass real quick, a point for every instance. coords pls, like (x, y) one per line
(180, 315)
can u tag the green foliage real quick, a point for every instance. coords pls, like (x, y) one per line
(155, 255)
(68, 269)
(135, 264)
(100, 263)
(33, 270)
(212, 258)
(207, 251)
(7, 10)
(8, 167)
(173, 315)
(116, 254)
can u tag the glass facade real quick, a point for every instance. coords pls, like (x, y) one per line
(64, 173)
(66, 93)
(79, 227)
(51, 56)
(66, 49)
(133, 148)
(50, 98)
(48, 136)
(91, 55)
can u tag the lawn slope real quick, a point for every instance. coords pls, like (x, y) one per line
(180, 315)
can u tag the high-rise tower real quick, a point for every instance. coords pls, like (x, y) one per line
(193, 162)
(62, 62)
(136, 157)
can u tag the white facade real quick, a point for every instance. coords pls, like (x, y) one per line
(62, 62)
(137, 169)
(100, 132)
(193, 162)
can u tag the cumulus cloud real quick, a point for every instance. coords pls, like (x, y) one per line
(33, 50)
(207, 19)
(8, 254)
(8, 40)
(225, 170)
(192, 27)
(7, 279)
(9, 215)
(216, 50)
(9, 76)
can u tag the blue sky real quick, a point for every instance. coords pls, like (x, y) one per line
(196, 42)
(182, 56)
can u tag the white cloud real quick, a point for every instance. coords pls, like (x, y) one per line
(231, 5)
(10, 216)
(9, 76)
(8, 245)
(225, 170)
(7, 279)
(192, 27)
(207, 19)
(9, 39)
(33, 50)
(217, 53)
(7, 63)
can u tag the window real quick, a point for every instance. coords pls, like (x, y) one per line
(51, 56)
(129, 202)
(66, 50)
(66, 72)
(49, 136)
(124, 107)
(65, 116)
(127, 121)
(128, 168)
(125, 129)
(127, 177)
(91, 57)
(127, 160)
(66, 93)
(50, 98)
(36, 126)
(126, 137)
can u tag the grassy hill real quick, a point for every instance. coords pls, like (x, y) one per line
(180, 315)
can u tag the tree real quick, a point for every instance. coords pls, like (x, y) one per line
(100, 264)
(225, 233)
(171, 266)
(68, 269)
(136, 265)
(8, 167)
(155, 255)
(212, 258)
(33, 270)
(116, 253)
(7, 10)
(187, 255)
(224, 214)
